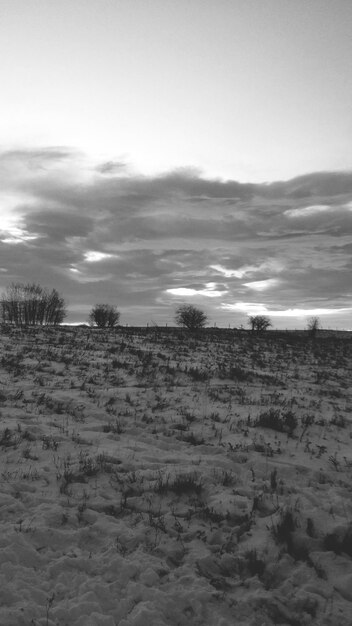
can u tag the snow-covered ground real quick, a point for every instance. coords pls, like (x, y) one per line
(162, 479)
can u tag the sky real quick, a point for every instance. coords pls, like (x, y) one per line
(155, 153)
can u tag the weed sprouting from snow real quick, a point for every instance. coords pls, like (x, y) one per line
(116, 427)
(181, 484)
(282, 531)
(278, 420)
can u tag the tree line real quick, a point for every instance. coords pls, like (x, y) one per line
(32, 305)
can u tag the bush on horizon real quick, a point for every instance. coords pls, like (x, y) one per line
(259, 323)
(104, 316)
(188, 316)
(31, 305)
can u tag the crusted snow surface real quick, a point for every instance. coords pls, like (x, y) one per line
(158, 478)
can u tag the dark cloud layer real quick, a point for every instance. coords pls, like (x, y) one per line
(100, 233)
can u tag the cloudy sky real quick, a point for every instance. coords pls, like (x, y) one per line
(159, 152)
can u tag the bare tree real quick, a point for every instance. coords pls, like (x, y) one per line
(313, 325)
(259, 323)
(11, 302)
(190, 317)
(54, 310)
(104, 316)
(31, 305)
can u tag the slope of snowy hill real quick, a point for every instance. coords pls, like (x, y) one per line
(153, 478)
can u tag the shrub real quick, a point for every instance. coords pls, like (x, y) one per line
(104, 316)
(31, 305)
(313, 326)
(188, 316)
(285, 422)
(259, 322)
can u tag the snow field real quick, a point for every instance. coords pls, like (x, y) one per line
(159, 478)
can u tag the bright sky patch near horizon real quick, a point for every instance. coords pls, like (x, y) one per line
(243, 89)
(140, 114)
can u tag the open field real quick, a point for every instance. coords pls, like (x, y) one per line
(153, 478)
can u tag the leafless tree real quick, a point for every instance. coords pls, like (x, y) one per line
(259, 323)
(190, 317)
(313, 325)
(31, 305)
(104, 316)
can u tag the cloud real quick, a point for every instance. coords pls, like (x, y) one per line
(314, 185)
(260, 309)
(250, 308)
(262, 285)
(58, 224)
(38, 158)
(209, 291)
(102, 233)
(92, 256)
(271, 265)
(111, 167)
(308, 210)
